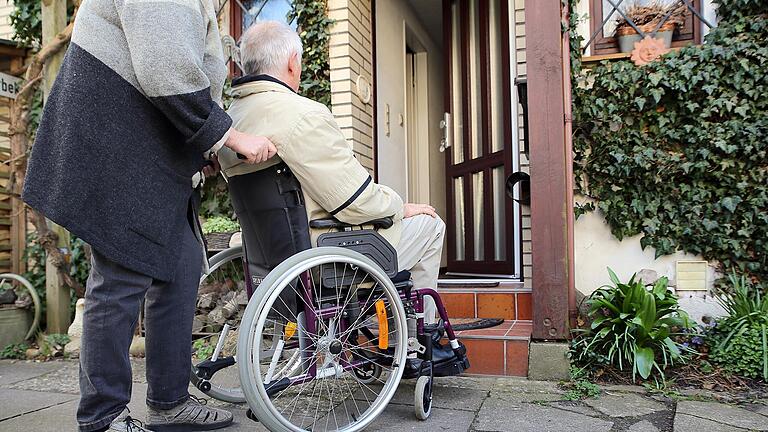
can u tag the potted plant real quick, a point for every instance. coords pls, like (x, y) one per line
(647, 17)
(16, 322)
(218, 230)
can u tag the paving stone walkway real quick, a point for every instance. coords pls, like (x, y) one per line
(43, 397)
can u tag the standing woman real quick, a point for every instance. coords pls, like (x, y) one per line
(132, 117)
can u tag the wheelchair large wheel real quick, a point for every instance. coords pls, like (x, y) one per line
(328, 322)
(226, 273)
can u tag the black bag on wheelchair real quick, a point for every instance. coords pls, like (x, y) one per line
(270, 207)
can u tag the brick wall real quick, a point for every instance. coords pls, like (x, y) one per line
(6, 31)
(351, 57)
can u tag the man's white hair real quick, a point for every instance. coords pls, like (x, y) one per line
(267, 47)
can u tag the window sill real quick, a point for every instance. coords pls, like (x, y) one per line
(601, 57)
(590, 60)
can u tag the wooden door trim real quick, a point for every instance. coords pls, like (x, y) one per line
(551, 230)
(447, 107)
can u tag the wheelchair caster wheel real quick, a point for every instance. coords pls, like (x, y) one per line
(204, 386)
(367, 374)
(422, 398)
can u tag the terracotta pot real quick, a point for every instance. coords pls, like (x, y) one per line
(627, 35)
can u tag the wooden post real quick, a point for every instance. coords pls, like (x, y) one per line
(551, 171)
(18, 209)
(54, 14)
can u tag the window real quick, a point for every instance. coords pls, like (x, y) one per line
(247, 12)
(606, 43)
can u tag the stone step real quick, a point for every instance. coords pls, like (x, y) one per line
(498, 351)
(484, 303)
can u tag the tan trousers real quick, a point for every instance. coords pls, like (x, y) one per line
(419, 251)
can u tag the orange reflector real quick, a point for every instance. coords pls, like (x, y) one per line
(290, 329)
(381, 313)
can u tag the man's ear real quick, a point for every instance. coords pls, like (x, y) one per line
(294, 63)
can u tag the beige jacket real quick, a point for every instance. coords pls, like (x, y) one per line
(310, 142)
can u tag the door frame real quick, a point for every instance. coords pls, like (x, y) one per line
(417, 169)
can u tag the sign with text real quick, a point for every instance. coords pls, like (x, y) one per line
(9, 85)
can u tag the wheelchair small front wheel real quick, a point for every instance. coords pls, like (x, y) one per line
(422, 398)
(343, 316)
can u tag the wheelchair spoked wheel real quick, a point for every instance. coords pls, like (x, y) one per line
(226, 274)
(326, 393)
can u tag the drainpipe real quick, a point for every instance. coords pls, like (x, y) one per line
(568, 111)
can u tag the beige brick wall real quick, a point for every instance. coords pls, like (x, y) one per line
(6, 31)
(351, 56)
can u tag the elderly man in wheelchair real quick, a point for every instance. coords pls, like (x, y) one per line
(331, 329)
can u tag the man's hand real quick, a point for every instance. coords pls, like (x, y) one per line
(212, 167)
(410, 210)
(252, 148)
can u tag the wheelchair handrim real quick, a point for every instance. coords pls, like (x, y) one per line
(265, 297)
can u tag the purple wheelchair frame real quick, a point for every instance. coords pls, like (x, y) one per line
(415, 295)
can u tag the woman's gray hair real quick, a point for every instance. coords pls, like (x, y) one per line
(267, 46)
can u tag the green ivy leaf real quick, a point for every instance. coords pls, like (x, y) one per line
(730, 203)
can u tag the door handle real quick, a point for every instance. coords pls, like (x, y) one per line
(446, 127)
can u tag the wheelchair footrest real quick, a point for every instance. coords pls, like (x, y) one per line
(444, 362)
(451, 367)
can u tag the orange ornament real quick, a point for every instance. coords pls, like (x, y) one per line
(648, 50)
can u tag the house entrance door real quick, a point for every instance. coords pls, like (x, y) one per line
(481, 135)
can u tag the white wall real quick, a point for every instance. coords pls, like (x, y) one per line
(392, 18)
(595, 248)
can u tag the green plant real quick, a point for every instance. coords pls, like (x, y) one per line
(741, 337)
(675, 150)
(34, 255)
(313, 25)
(27, 22)
(14, 351)
(52, 345)
(203, 349)
(631, 326)
(220, 224)
(582, 389)
(743, 353)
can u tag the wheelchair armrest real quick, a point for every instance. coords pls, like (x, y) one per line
(333, 223)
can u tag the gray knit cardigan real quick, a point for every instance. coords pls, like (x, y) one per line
(135, 107)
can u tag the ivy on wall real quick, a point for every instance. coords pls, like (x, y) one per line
(313, 24)
(677, 150)
(27, 23)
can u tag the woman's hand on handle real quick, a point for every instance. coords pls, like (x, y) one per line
(252, 149)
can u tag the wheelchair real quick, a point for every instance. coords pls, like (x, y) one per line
(329, 331)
